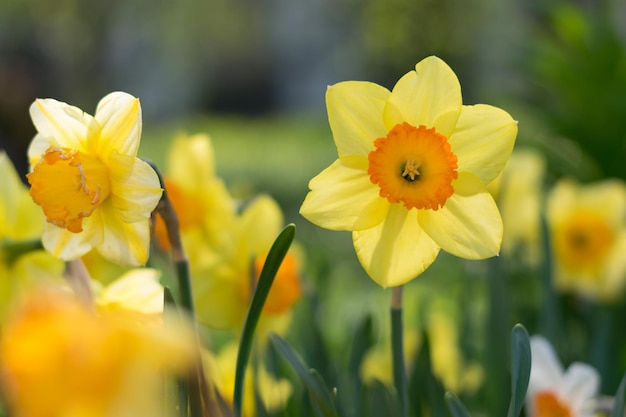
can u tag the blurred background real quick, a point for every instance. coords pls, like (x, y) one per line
(253, 74)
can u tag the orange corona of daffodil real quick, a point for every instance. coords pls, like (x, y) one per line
(588, 233)
(412, 172)
(94, 191)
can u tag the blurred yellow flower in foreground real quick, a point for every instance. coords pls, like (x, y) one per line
(411, 174)
(588, 232)
(553, 392)
(22, 261)
(58, 358)
(273, 392)
(86, 177)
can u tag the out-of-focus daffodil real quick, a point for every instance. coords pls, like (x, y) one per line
(94, 191)
(588, 233)
(273, 392)
(412, 172)
(553, 392)
(136, 293)
(223, 293)
(75, 362)
(205, 209)
(22, 261)
(518, 191)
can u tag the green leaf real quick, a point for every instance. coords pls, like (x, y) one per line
(620, 396)
(520, 368)
(312, 380)
(268, 273)
(456, 407)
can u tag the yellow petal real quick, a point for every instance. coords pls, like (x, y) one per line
(60, 124)
(260, 223)
(397, 250)
(67, 245)
(355, 114)
(483, 140)
(219, 299)
(191, 161)
(137, 290)
(429, 96)
(136, 195)
(124, 243)
(469, 224)
(119, 114)
(342, 197)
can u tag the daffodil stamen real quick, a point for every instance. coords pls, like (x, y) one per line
(413, 165)
(69, 186)
(411, 170)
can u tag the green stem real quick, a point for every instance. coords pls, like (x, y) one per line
(397, 349)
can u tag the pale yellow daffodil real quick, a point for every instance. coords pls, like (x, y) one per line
(205, 209)
(588, 233)
(555, 392)
(412, 172)
(94, 191)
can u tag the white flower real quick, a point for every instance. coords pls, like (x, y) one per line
(553, 392)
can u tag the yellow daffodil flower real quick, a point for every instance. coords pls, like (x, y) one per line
(22, 261)
(94, 191)
(411, 173)
(222, 293)
(588, 232)
(553, 392)
(205, 209)
(518, 191)
(273, 392)
(60, 358)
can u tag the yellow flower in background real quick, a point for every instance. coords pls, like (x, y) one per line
(553, 392)
(588, 232)
(205, 209)
(411, 174)
(518, 190)
(94, 191)
(222, 293)
(22, 261)
(58, 358)
(273, 392)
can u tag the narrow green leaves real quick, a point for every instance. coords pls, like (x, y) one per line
(268, 273)
(456, 407)
(620, 398)
(520, 369)
(320, 395)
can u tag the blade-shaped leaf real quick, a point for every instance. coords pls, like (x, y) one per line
(620, 398)
(317, 388)
(268, 273)
(456, 407)
(520, 368)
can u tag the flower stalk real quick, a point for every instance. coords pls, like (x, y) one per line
(397, 349)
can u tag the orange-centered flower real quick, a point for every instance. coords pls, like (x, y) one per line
(94, 191)
(414, 166)
(411, 173)
(587, 226)
(555, 392)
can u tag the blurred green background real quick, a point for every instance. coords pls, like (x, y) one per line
(253, 74)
